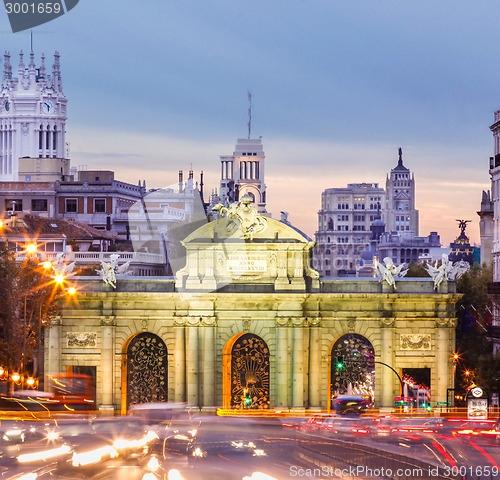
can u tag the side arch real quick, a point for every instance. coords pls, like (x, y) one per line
(144, 370)
(246, 372)
(352, 366)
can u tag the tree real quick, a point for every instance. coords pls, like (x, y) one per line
(474, 348)
(28, 302)
(416, 270)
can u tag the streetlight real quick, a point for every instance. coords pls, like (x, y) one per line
(29, 280)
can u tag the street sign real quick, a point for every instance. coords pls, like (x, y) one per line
(443, 404)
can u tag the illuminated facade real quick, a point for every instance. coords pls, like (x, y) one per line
(248, 322)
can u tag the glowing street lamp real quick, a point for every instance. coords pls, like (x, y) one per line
(30, 382)
(31, 248)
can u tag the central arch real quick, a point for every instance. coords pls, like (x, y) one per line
(246, 372)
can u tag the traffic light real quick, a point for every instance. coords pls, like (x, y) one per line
(340, 362)
(248, 400)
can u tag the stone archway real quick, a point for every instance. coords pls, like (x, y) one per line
(246, 372)
(352, 366)
(144, 370)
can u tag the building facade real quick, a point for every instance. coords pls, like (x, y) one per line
(249, 316)
(403, 247)
(32, 122)
(242, 173)
(486, 228)
(399, 212)
(95, 198)
(344, 226)
(494, 288)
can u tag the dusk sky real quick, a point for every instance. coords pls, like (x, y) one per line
(157, 86)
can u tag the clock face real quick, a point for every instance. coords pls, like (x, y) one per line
(47, 106)
(6, 106)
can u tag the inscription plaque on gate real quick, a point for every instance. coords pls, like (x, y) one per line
(246, 263)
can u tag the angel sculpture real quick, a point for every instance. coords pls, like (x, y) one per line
(123, 269)
(109, 270)
(60, 267)
(446, 271)
(389, 272)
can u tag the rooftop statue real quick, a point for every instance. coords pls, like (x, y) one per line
(388, 271)
(244, 216)
(60, 266)
(447, 270)
(109, 270)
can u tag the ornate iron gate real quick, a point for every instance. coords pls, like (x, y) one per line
(353, 366)
(250, 372)
(147, 370)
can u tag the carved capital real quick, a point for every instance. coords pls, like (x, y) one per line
(193, 321)
(445, 322)
(55, 321)
(208, 321)
(108, 321)
(282, 321)
(313, 321)
(387, 322)
(298, 322)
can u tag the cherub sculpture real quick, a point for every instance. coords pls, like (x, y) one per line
(60, 267)
(446, 271)
(389, 272)
(109, 270)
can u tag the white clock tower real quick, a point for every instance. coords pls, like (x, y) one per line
(32, 122)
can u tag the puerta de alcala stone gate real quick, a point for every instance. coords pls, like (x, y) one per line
(248, 316)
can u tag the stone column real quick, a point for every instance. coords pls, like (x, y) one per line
(192, 369)
(298, 359)
(314, 364)
(387, 356)
(208, 355)
(282, 376)
(107, 363)
(180, 364)
(443, 362)
(54, 347)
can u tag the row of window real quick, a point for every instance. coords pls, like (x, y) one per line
(41, 205)
(346, 239)
(355, 228)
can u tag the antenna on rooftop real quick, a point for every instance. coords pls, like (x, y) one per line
(249, 113)
(31, 40)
